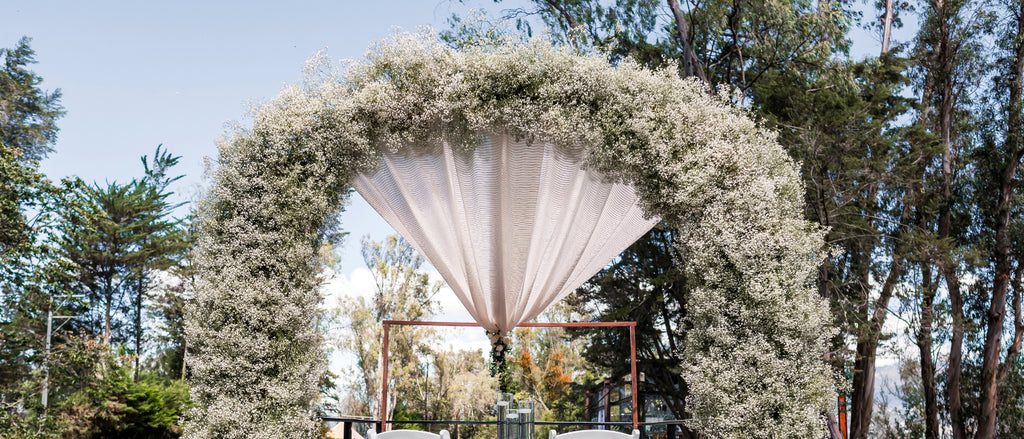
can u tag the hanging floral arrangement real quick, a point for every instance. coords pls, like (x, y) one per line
(500, 345)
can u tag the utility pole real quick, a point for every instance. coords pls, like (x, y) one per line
(46, 359)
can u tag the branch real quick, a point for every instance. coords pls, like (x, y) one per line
(691, 65)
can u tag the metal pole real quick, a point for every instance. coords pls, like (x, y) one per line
(636, 385)
(384, 382)
(46, 359)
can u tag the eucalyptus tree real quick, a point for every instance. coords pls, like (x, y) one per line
(403, 291)
(28, 116)
(1000, 154)
(945, 56)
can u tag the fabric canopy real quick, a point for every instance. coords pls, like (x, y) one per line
(512, 227)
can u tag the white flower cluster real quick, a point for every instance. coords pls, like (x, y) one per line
(500, 344)
(499, 339)
(753, 358)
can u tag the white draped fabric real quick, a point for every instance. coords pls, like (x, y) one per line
(511, 227)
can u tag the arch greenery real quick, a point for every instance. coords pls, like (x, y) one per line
(753, 358)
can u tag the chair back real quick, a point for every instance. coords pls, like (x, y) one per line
(594, 434)
(406, 434)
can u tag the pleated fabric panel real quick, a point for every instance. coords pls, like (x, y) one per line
(511, 227)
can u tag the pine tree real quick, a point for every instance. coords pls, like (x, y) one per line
(114, 235)
(28, 115)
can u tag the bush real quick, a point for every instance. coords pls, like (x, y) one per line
(121, 407)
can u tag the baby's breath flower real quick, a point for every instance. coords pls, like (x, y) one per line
(752, 360)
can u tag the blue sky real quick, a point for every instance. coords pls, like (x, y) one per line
(138, 74)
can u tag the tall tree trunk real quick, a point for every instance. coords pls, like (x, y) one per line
(138, 324)
(887, 26)
(108, 298)
(691, 64)
(1013, 351)
(924, 345)
(831, 418)
(996, 314)
(946, 262)
(863, 397)
(954, 367)
(1018, 329)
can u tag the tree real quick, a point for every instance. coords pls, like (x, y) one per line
(99, 397)
(424, 381)
(464, 388)
(644, 285)
(21, 188)
(548, 365)
(947, 49)
(403, 292)
(1000, 155)
(165, 241)
(170, 305)
(113, 235)
(28, 129)
(28, 115)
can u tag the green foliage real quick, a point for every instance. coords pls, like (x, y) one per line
(22, 188)
(424, 381)
(121, 407)
(27, 130)
(643, 285)
(93, 395)
(403, 292)
(98, 396)
(100, 234)
(169, 307)
(545, 363)
(28, 115)
(113, 236)
(29, 426)
(904, 417)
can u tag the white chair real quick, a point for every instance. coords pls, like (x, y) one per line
(406, 434)
(593, 434)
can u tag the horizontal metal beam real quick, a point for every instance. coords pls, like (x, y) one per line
(522, 325)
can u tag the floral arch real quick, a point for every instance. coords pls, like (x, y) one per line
(753, 358)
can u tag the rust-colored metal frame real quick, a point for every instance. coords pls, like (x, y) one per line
(634, 386)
